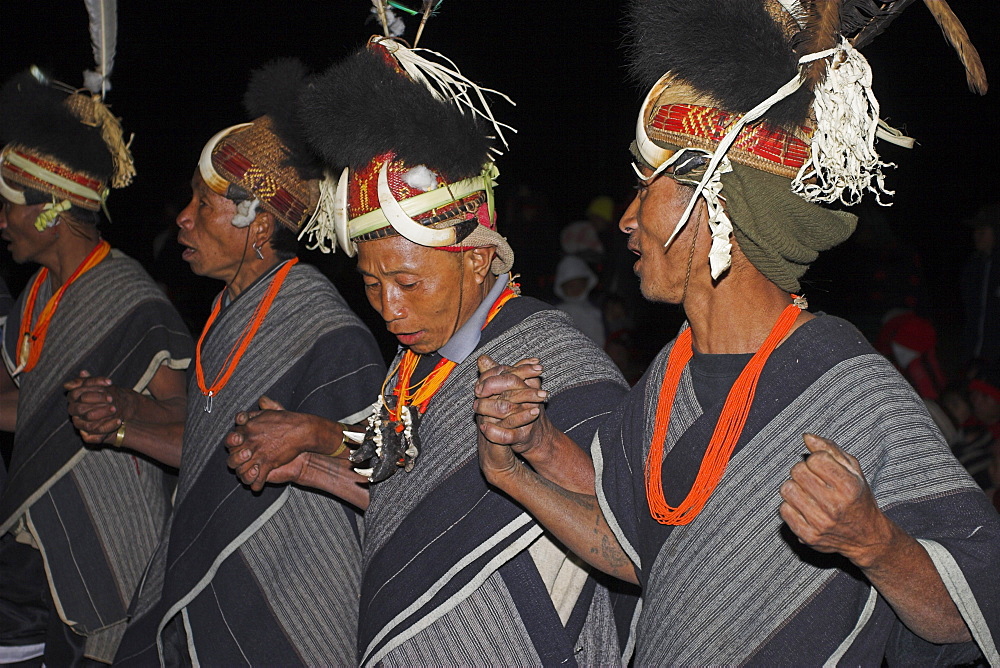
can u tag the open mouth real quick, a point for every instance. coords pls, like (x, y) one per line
(188, 251)
(409, 339)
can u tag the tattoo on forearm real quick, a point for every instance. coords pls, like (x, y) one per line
(604, 546)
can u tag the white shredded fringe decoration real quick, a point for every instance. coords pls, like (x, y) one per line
(446, 83)
(320, 229)
(843, 162)
(720, 254)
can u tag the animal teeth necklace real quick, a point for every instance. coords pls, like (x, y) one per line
(391, 441)
(241, 345)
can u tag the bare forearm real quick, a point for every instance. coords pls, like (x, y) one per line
(905, 576)
(558, 458)
(161, 441)
(325, 436)
(574, 518)
(333, 476)
(158, 411)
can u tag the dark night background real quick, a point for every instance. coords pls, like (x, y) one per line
(181, 69)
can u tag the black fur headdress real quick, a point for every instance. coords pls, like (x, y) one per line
(33, 114)
(274, 91)
(363, 107)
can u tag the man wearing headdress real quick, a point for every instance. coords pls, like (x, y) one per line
(263, 578)
(772, 483)
(453, 573)
(78, 518)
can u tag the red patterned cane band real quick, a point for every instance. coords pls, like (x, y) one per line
(48, 176)
(762, 146)
(260, 182)
(362, 196)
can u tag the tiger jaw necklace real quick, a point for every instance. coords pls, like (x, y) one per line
(391, 441)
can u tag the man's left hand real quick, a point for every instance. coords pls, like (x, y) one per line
(830, 507)
(97, 407)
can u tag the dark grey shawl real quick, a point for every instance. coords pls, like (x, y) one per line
(451, 567)
(734, 586)
(265, 578)
(96, 513)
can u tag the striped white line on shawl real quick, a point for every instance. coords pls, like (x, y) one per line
(965, 600)
(484, 629)
(866, 615)
(179, 605)
(597, 454)
(513, 549)
(303, 553)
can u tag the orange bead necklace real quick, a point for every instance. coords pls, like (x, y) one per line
(32, 339)
(727, 429)
(241, 345)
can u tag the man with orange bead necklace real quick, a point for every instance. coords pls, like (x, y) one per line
(772, 484)
(225, 584)
(452, 572)
(78, 518)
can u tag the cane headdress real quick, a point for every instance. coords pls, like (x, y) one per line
(267, 163)
(63, 146)
(777, 86)
(412, 137)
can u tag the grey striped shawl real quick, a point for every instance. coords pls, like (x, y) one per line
(448, 429)
(475, 597)
(271, 576)
(728, 589)
(307, 308)
(96, 513)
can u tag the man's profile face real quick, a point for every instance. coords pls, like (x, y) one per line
(649, 221)
(17, 228)
(214, 247)
(423, 294)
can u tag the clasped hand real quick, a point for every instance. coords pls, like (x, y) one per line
(510, 411)
(97, 407)
(268, 445)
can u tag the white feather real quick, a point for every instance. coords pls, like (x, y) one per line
(103, 37)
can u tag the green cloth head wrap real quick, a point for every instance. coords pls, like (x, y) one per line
(778, 231)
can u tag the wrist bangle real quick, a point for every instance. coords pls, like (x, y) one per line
(343, 446)
(120, 435)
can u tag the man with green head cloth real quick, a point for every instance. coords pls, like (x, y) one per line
(773, 485)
